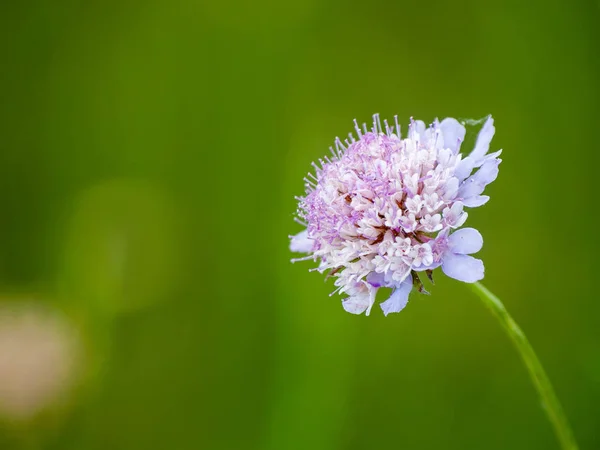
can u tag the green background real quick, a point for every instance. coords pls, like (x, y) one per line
(182, 131)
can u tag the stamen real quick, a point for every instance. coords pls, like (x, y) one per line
(301, 222)
(304, 258)
(376, 124)
(336, 290)
(310, 182)
(357, 128)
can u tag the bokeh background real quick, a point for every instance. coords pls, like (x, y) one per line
(149, 156)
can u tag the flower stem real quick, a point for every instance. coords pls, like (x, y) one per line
(540, 380)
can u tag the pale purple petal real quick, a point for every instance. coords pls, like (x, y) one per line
(376, 279)
(462, 218)
(469, 188)
(465, 241)
(420, 128)
(454, 133)
(464, 168)
(475, 201)
(476, 184)
(488, 171)
(398, 299)
(483, 140)
(491, 156)
(455, 216)
(357, 304)
(372, 294)
(463, 267)
(451, 189)
(301, 243)
(430, 136)
(433, 265)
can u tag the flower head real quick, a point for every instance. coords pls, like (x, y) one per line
(40, 353)
(383, 208)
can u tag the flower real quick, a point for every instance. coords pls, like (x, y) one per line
(40, 356)
(383, 208)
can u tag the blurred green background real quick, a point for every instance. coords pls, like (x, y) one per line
(149, 156)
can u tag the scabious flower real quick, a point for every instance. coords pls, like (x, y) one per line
(40, 356)
(383, 209)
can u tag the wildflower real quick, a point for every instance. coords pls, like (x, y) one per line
(39, 356)
(383, 209)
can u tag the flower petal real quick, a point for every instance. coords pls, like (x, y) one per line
(465, 241)
(372, 295)
(483, 140)
(478, 200)
(376, 279)
(451, 188)
(463, 267)
(453, 132)
(454, 216)
(301, 243)
(398, 299)
(357, 304)
(492, 155)
(361, 301)
(420, 128)
(464, 168)
(433, 265)
(475, 184)
(488, 171)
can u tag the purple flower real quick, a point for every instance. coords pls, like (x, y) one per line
(382, 209)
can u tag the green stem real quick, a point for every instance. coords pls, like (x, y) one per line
(550, 402)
